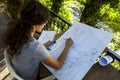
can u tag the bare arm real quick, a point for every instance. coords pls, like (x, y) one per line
(47, 43)
(57, 64)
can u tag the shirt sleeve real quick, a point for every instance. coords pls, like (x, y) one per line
(41, 52)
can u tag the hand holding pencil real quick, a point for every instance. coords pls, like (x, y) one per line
(69, 42)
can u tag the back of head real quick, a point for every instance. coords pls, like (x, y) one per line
(34, 13)
(19, 31)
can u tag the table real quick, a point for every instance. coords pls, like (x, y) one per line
(97, 72)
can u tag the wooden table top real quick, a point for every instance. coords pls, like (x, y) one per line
(98, 72)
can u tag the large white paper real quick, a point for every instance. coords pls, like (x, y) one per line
(88, 44)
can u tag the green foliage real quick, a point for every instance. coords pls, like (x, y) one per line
(115, 43)
(46, 3)
(56, 5)
(116, 64)
(62, 8)
(81, 4)
(111, 16)
(107, 11)
(90, 14)
(66, 10)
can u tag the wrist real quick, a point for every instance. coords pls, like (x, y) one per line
(67, 46)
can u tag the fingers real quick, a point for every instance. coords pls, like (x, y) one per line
(69, 41)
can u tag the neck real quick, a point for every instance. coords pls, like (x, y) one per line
(33, 32)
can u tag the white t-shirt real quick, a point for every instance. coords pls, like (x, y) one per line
(27, 62)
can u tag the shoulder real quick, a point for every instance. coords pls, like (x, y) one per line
(35, 43)
(32, 44)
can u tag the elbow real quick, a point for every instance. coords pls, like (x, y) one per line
(58, 67)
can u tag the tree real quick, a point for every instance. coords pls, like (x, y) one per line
(56, 5)
(107, 11)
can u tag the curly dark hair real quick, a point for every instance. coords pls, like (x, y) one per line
(19, 31)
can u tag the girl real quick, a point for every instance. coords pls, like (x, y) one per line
(26, 52)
